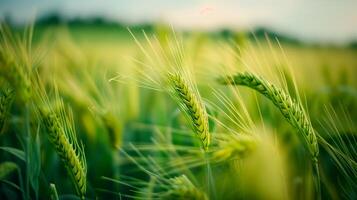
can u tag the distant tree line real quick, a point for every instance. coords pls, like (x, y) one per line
(228, 34)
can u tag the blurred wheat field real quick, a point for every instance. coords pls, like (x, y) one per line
(90, 113)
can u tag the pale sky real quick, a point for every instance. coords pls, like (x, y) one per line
(317, 20)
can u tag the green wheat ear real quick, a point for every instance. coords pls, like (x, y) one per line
(182, 188)
(233, 147)
(291, 110)
(5, 103)
(15, 63)
(61, 133)
(193, 107)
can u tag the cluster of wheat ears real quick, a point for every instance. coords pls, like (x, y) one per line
(291, 110)
(20, 79)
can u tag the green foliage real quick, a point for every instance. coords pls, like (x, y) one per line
(53, 192)
(6, 168)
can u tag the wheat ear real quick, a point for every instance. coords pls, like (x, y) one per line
(14, 66)
(233, 147)
(193, 107)
(5, 103)
(291, 110)
(182, 188)
(60, 131)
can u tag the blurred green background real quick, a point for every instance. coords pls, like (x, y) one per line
(121, 121)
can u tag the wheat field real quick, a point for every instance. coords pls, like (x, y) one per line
(157, 113)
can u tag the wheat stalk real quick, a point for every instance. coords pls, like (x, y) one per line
(5, 103)
(60, 130)
(193, 107)
(291, 110)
